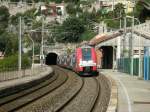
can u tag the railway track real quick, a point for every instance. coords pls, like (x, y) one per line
(94, 96)
(104, 96)
(57, 99)
(84, 100)
(63, 92)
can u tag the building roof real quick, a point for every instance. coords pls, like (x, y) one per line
(104, 37)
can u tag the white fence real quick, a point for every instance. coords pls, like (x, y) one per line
(14, 74)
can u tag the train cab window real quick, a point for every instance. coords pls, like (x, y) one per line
(86, 52)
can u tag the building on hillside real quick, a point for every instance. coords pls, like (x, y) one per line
(53, 12)
(53, 9)
(109, 5)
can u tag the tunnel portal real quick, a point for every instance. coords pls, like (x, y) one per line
(51, 59)
(107, 61)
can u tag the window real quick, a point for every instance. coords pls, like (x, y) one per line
(136, 51)
(86, 52)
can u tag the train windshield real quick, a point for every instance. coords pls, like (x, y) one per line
(86, 52)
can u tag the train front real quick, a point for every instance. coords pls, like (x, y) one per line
(86, 61)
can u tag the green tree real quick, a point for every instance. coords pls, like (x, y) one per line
(88, 17)
(30, 13)
(70, 31)
(138, 9)
(36, 36)
(114, 24)
(14, 19)
(73, 9)
(27, 16)
(72, 1)
(14, 0)
(4, 18)
(8, 43)
(142, 10)
(56, 1)
(87, 35)
(10, 63)
(119, 10)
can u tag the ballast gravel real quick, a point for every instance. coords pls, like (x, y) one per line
(104, 97)
(54, 100)
(82, 102)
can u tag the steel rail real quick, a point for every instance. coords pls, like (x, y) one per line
(95, 101)
(71, 99)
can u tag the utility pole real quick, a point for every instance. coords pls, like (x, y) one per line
(113, 4)
(114, 60)
(140, 57)
(42, 54)
(32, 50)
(125, 28)
(131, 45)
(99, 27)
(120, 20)
(32, 54)
(20, 39)
(124, 40)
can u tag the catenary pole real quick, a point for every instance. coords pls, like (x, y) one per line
(20, 39)
(42, 54)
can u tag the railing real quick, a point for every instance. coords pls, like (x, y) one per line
(124, 65)
(11, 73)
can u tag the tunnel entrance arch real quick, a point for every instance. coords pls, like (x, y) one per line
(107, 60)
(51, 59)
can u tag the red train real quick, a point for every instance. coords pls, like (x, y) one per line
(82, 61)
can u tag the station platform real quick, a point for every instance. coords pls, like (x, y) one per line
(11, 86)
(133, 93)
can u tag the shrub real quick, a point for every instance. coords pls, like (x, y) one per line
(87, 35)
(11, 63)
